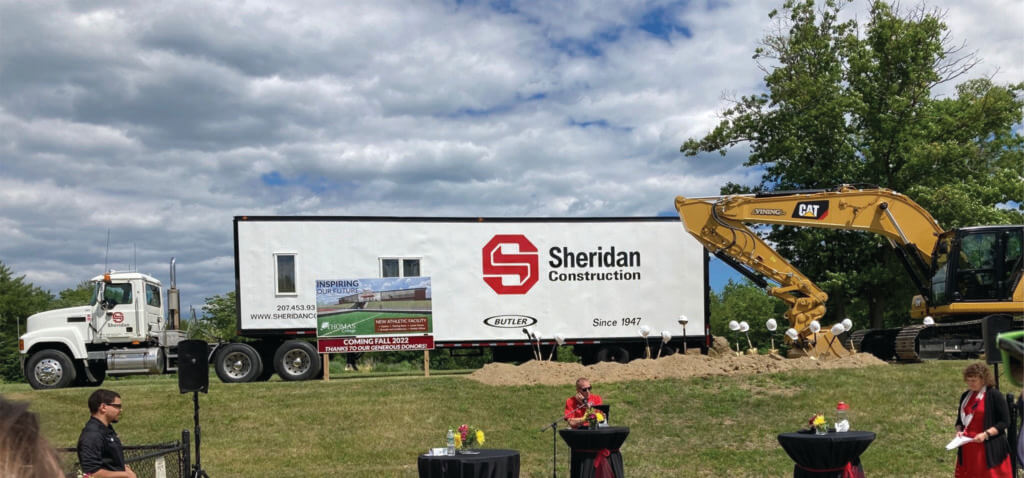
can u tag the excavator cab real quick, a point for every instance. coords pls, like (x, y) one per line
(977, 264)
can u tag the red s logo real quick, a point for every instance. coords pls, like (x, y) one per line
(522, 265)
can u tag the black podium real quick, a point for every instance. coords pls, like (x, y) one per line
(825, 455)
(595, 451)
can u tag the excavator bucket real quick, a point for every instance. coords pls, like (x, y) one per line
(822, 345)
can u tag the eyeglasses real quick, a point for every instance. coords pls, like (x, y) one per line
(115, 405)
(585, 389)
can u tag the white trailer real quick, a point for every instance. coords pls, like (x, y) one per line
(450, 283)
(594, 283)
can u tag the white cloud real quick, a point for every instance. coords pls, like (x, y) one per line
(161, 121)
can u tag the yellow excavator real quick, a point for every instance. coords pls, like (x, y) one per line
(962, 275)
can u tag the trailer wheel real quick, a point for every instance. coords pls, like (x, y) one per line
(296, 360)
(612, 353)
(50, 369)
(236, 363)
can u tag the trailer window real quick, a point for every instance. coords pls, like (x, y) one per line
(389, 268)
(411, 268)
(152, 295)
(399, 267)
(284, 270)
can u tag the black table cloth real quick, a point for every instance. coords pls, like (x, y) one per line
(825, 455)
(489, 463)
(588, 446)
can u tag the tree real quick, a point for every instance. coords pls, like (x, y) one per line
(846, 106)
(81, 294)
(744, 301)
(18, 300)
(220, 317)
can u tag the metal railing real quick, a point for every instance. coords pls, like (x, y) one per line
(163, 460)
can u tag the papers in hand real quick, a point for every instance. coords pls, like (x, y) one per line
(957, 442)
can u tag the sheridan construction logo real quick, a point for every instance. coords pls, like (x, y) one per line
(522, 266)
(511, 264)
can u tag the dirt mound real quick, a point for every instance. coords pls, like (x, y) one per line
(674, 366)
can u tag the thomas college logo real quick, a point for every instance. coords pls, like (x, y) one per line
(520, 268)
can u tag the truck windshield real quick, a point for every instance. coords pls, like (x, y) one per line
(95, 293)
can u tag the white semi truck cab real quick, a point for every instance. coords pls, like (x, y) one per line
(123, 331)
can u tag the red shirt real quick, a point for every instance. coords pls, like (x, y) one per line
(571, 405)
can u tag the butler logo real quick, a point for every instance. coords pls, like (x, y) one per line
(510, 272)
(811, 210)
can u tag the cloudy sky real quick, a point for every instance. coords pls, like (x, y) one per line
(160, 121)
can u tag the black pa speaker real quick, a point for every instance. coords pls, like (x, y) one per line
(992, 326)
(193, 366)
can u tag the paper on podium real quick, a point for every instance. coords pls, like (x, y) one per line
(957, 442)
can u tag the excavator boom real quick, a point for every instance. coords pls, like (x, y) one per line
(720, 224)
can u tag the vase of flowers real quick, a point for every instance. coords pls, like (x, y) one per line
(819, 424)
(593, 417)
(468, 438)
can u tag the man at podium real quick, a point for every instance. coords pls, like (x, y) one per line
(576, 406)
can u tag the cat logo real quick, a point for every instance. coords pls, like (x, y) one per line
(811, 210)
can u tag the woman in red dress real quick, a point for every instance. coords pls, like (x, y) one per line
(983, 416)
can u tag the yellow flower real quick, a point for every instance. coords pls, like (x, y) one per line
(458, 440)
(480, 437)
(600, 417)
(819, 420)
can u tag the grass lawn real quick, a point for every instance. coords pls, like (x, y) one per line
(368, 427)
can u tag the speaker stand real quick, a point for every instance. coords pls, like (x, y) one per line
(197, 468)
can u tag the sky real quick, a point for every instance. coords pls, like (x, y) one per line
(161, 121)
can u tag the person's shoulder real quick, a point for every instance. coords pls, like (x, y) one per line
(595, 399)
(92, 424)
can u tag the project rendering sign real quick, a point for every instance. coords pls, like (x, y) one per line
(370, 307)
(375, 344)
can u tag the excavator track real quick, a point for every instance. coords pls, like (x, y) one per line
(877, 342)
(856, 339)
(956, 340)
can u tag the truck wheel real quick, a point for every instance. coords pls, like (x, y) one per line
(296, 360)
(236, 363)
(50, 369)
(612, 353)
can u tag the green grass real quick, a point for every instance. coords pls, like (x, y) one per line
(720, 426)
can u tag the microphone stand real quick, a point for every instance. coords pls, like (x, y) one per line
(197, 468)
(554, 438)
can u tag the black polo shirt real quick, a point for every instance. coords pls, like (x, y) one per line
(99, 448)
